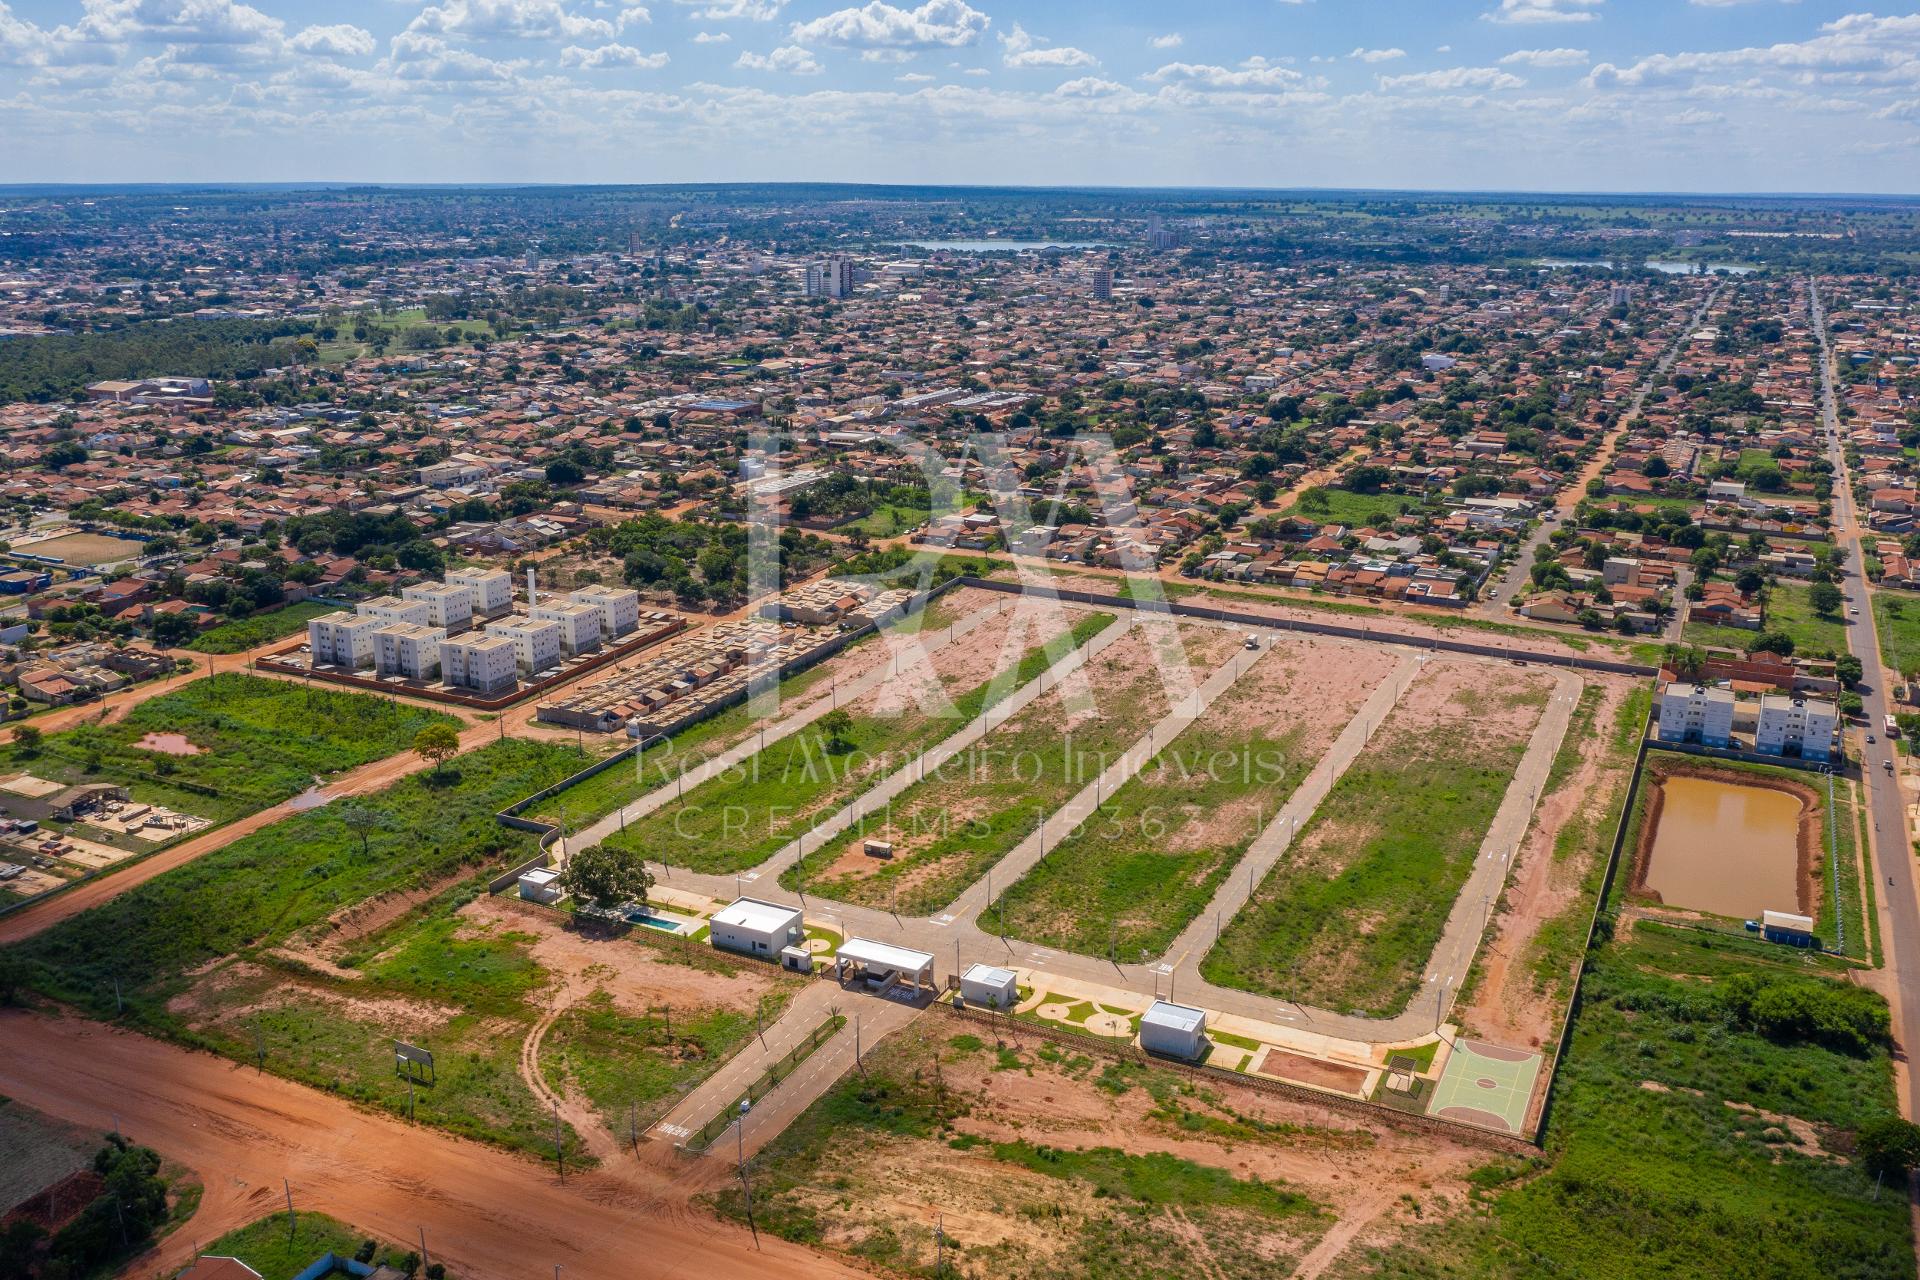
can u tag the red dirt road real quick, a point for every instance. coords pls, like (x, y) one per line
(486, 1213)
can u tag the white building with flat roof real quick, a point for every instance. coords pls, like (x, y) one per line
(990, 987)
(618, 607)
(1696, 713)
(754, 927)
(536, 641)
(492, 589)
(408, 649)
(579, 624)
(486, 663)
(1176, 1030)
(449, 606)
(342, 639)
(394, 609)
(1804, 727)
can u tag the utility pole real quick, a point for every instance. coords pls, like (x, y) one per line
(559, 1149)
(423, 1248)
(288, 1187)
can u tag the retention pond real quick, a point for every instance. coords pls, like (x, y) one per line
(1726, 847)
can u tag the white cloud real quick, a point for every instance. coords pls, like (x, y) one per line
(913, 77)
(610, 57)
(1377, 55)
(1848, 49)
(937, 24)
(427, 59)
(341, 41)
(1254, 73)
(518, 20)
(1171, 40)
(712, 37)
(1024, 50)
(788, 58)
(1454, 78)
(1545, 58)
(1533, 12)
(729, 10)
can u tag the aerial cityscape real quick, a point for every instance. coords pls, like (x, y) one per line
(747, 638)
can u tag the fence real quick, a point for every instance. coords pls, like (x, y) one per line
(1126, 1051)
(1237, 618)
(764, 1083)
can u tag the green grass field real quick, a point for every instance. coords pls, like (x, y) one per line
(888, 521)
(1896, 616)
(741, 817)
(1132, 878)
(262, 741)
(1649, 1171)
(259, 628)
(276, 1254)
(1343, 506)
(1788, 612)
(1348, 919)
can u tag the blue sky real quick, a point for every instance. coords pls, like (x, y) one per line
(1695, 95)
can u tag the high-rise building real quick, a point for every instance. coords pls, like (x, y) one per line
(1102, 283)
(830, 279)
(1622, 296)
(1159, 238)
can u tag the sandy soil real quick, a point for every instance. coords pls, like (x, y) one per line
(168, 744)
(1504, 1006)
(485, 1213)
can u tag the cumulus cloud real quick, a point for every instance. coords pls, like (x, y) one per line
(518, 20)
(341, 41)
(711, 37)
(1254, 73)
(1377, 55)
(1857, 45)
(429, 60)
(791, 59)
(1545, 58)
(1024, 50)
(1454, 78)
(937, 24)
(1171, 40)
(1534, 12)
(611, 57)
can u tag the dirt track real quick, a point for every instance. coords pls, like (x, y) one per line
(485, 1213)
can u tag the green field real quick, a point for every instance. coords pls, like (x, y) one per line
(888, 521)
(1348, 919)
(259, 628)
(1648, 1169)
(948, 829)
(276, 1254)
(740, 818)
(261, 742)
(1896, 616)
(1788, 612)
(1130, 879)
(1343, 506)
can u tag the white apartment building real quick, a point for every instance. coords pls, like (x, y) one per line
(536, 642)
(1790, 726)
(449, 606)
(394, 609)
(619, 608)
(485, 663)
(407, 649)
(1696, 713)
(830, 279)
(579, 624)
(492, 589)
(342, 639)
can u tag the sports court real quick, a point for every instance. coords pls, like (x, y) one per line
(1486, 1085)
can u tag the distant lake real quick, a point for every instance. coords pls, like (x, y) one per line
(1665, 268)
(1005, 246)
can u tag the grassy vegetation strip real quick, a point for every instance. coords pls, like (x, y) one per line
(950, 828)
(1350, 915)
(1896, 618)
(1134, 875)
(745, 814)
(259, 628)
(268, 1247)
(263, 887)
(1705, 1112)
(261, 741)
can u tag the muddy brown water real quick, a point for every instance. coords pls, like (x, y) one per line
(1725, 848)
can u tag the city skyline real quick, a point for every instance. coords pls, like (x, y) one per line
(1511, 95)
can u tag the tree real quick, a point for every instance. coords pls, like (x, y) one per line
(606, 876)
(1772, 642)
(1686, 661)
(362, 821)
(1825, 599)
(838, 726)
(170, 629)
(27, 737)
(436, 744)
(1889, 1146)
(1848, 669)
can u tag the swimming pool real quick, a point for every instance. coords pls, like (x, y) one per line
(652, 921)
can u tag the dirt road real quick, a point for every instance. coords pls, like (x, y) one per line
(485, 1213)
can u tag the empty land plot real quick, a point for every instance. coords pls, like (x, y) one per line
(1132, 877)
(259, 742)
(742, 816)
(1044, 1163)
(949, 829)
(1350, 915)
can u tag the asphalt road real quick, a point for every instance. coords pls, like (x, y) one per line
(1892, 848)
